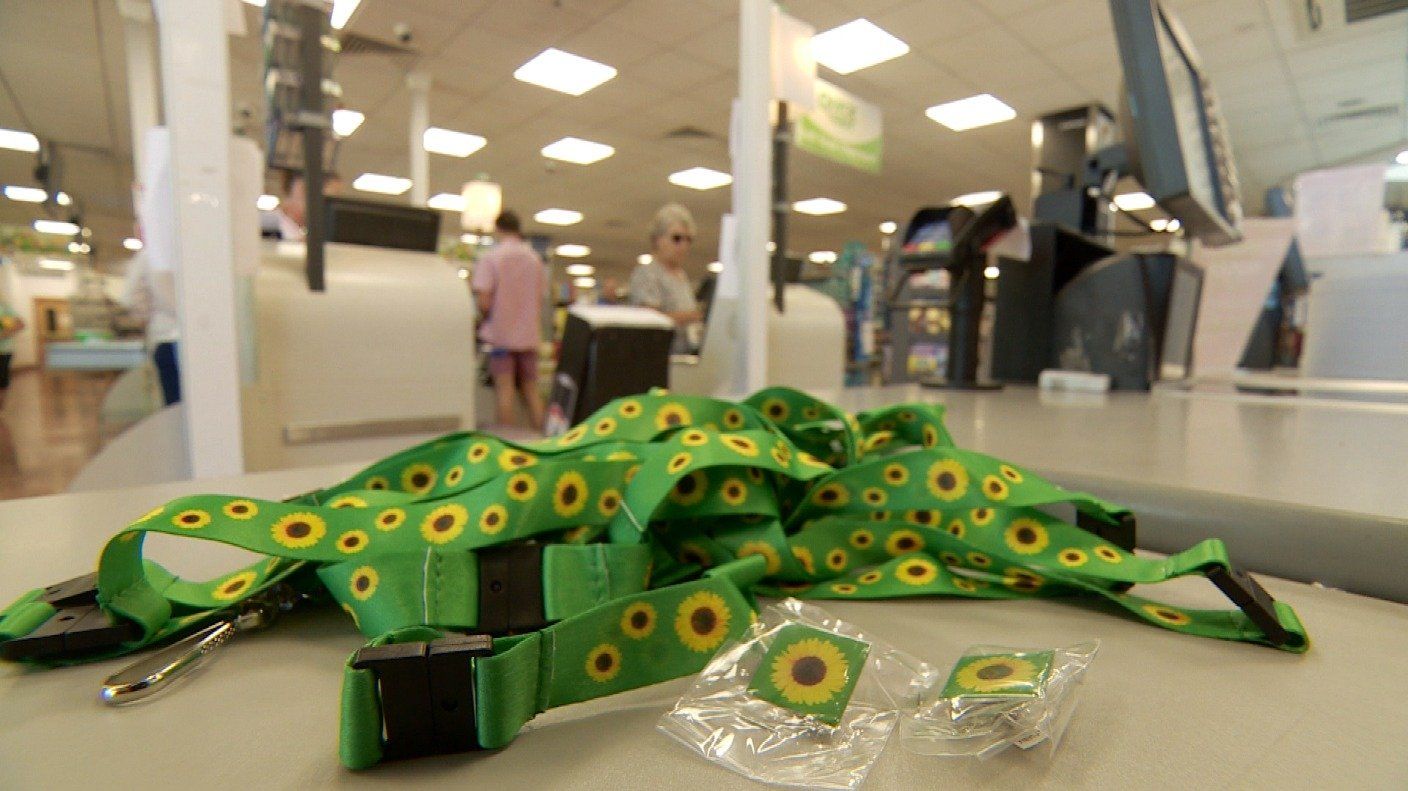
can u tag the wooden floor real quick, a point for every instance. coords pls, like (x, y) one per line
(49, 429)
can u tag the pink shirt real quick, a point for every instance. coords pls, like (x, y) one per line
(516, 277)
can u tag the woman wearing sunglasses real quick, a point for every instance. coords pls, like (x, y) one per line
(663, 285)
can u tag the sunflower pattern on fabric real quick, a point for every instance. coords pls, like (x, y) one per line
(1007, 675)
(810, 671)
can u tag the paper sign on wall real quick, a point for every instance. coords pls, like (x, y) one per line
(842, 128)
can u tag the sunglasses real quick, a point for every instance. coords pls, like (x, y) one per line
(680, 238)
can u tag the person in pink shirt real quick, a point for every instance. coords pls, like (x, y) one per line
(511, 284)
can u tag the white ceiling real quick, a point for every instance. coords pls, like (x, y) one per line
(62, 77)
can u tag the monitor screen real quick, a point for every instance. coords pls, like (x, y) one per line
(1176, 357)
(1186, 97)
(353, 221)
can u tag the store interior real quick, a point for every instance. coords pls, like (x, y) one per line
(1151, 250)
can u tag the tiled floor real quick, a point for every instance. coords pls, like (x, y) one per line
(49, 428)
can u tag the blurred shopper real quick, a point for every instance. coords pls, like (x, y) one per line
(511, 283)
(290, 219)
(663, 284)
(10, 325)
(150, 296)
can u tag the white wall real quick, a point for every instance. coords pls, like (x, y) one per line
(20, 290)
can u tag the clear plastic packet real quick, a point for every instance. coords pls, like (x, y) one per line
(997, 697)
(802, 699)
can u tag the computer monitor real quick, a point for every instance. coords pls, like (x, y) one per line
(1174, 133)
(1185, 294)
(382, 224)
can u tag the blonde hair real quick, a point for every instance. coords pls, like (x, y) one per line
(671, 214)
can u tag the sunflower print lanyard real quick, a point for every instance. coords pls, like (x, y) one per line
(636, 502)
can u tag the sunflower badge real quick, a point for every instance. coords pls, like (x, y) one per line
(1016, 675)
(810, 671)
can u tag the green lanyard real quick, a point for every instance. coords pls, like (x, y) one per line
(781, 494)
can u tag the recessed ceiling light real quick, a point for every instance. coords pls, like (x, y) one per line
(973, 112)
(63, 199)
(572, 250)
(55, 227)
(854, 46)
(819, 206)
(1174, 225)
(577, 151)
(644, 259)
(558, 217)
(342, 11)
(1402, 158)
(585, 282)
(564, 72)
(385, 185)
(581, 270)
(267, 202)
(26, 194)
(716, 267)
(976, 198)
(822, 256)
(345, 122)
(56, 264)
(79, 248)
(991, 272)
(700, 178)
(451, 143)
(132, 243)
(446, 201)
(888, 227)
(16, 140)
(1159, 224)
(1134, 201)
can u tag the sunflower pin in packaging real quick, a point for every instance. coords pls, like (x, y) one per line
(801, 699)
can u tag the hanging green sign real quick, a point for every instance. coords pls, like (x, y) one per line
(841, 127)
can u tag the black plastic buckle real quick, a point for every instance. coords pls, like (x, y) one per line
(77, 628)
(427, 693)
(1121, 535)
(511, 589)
(1252, 599)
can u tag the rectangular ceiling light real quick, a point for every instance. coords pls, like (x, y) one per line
(572, 250)
(345, 122)
(558, 217)
(446, 201)
(386, 185)
(819, 206)
(700, 179)
(577, 151)
(971, 113)
(1134, 201)
(342, 12)
(26, 194)
(267, 202)
(56, 227)
(976, 198)
(854, 46)
(132, 243)
(564, 72)
(581, 270)
(56, 264)
(451, 143)
(63, 199)
(18, 141)
(585, 282)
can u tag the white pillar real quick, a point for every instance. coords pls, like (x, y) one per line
(139, 44)
(752, 180)
(196, 92)
(419, 85)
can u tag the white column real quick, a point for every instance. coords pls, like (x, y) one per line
(419, 85)
(752, 177)
(196, 92)
(139, 44)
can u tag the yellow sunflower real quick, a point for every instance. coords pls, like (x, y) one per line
(982, 517)
(874, 495)
(812, 461)
(620, 455)
(996, 488)
(950, 558)
(916, 571)
(811, 412)
(896, 474)
(418, 478)
(775, 409)
(862, 539)
(956, 528)
(364, 582)
(1108, 554)
(930, 436)
(733, 419)
(871, 577)
(604, 662)
(478, 452)
(906, 416)
(377, 483)
(831, 495)
(903, 541)
(1026, 536)
(781, 455)
(1020, 579)
(638, 621)
(345, 501)
(1010, 473)
(694, 438)
(761, 548)
(678, 462)
(947, 480)
(837, 559)
(522, 486)
(879, 516)
(241, 509)
(352, 542)
(444, 523)
(511, 459)
(629, 409)
(965, 584)
(690, 489)
(702, 621)
(494, 519)
(609, 502)
(1167, 615)
(878, 440)
(605, 427)
(979, 560)
(390, 519)
(191, 519)
(150, 515)
(672, 416)
(693, 553)
(570, 495)
(572, 435)
(844, 588)
(810, 671)
(922, 517)
(299, 531)
(996, 673)
(743, 446)
(454, 475)
(234, 586)
(1072, 558)
(804, 556)
(734, 492)
(630, 473)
